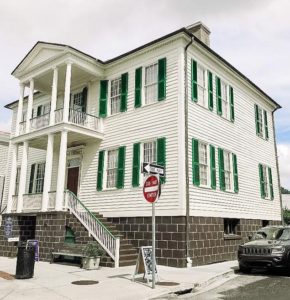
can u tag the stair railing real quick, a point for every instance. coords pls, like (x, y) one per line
(99, 231)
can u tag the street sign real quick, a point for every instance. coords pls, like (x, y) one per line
(151, 188)
(148, 168)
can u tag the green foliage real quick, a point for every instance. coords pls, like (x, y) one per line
(286, 216)
(284, 191)
(93, 249)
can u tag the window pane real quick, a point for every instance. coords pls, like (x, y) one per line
(151, 80)
(201, 85)
(203, 164)
(115, 95)
(39, 178)
(150, 152)
(112, 167)
(227, 167)
(224, 99)
(265, 176)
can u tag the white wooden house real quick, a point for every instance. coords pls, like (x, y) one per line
(87, 125)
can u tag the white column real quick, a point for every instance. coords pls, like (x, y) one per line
(48, 172)
(61, 171)
(67, 92)
(20, 108)
(22, 179)
(29, 105)
(53, 96)
(13, 172)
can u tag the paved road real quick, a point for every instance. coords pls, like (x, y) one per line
(260, 285)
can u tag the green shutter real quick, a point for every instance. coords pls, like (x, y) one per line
(262, 181)
(136, 165)
(100, 171)
(103, 98)
(235, 173)
(271, 183)
(161, 79)
(194, 80)
(266, 125)
(257, 119)
(31, 180)
(138, 87)
(121, 167)
(124, 92)
(195, 163)
(232, 107)
(212, 167)
(161, 155)
(210, 91)
(219, 96)
(221, 169)
(85, 96)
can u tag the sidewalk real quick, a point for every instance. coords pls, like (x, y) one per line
(53, 281)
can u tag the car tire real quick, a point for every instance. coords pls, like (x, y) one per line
(245, 270)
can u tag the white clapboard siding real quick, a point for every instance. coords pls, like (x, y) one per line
(240, 138)
(136, 125)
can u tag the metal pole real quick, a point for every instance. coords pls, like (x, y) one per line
(153, 245)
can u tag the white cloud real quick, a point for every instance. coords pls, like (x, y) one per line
(284, 164)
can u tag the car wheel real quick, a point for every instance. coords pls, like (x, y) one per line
(245, 270)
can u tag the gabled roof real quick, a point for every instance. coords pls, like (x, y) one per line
(181, 30)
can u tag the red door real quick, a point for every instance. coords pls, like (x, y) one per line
(73, 180)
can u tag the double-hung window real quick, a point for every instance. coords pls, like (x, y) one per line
(112, 168)
(261, 122)
(231, 226)
(151, 83)
(201, 86)
(149, 152)
(203, 164)
(153, 152)
(228, 171)
(36, 178)
(115, 99)
(17, 180)
(225, 101)
(266, 182)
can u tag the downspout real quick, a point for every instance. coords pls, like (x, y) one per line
(277, 165)
(187, 224)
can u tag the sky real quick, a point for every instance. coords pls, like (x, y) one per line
(253, 35)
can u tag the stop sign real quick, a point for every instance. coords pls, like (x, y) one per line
(151, 188)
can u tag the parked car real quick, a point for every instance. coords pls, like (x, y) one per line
(267, 232)
(271, 250)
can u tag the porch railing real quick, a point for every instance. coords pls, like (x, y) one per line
(22, 127)
(39, 122)
(99, 231)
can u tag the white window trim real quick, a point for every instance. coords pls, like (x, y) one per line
(110, 96)
(34, 177)
(231, 171)
(267, 190)
(227, 94)
(104, 187)
(205, 100)
(143, 93)
(262, 134)
(208, 164)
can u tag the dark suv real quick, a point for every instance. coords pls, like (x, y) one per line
(269, 248)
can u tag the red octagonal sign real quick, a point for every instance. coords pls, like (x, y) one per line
(151, 188)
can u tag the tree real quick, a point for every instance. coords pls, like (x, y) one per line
(284, 191)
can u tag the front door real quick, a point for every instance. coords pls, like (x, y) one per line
(73, 179)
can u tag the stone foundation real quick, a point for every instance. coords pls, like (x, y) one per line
(207, 241)
(48, 228)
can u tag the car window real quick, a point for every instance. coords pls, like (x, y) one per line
(266, 233)
(284, 234)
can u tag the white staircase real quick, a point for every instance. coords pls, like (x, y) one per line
(96, 229)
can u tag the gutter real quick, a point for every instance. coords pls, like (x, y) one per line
(187, 223)
(277, 165)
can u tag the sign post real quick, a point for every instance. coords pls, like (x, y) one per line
(151, 193)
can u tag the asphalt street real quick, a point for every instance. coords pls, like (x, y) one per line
(260, 285)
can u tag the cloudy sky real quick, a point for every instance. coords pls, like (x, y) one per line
(253, 35)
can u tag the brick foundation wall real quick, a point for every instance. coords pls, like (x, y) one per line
(207, 244)
(48, 228)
